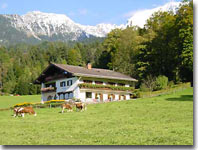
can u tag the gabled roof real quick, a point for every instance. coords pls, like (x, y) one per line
(94, 72)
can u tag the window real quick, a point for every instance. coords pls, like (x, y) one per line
(71, 95)
(49, 98)
(87, 81)
(69, 82)
(61, 96)
(68, 95)
(98, 82)
(62, 84)
(111, 83)
(50, 85)
(121, 84)
(88, 95)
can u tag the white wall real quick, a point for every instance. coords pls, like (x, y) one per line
(74, 87)
(45, 95)
(127, 85)
(127, 97)
(116, 96)
(66, 88)
(77, 93)
(105, 97)
(82, 96)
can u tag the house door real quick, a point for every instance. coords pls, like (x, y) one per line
(49, 98)
(121, 97)
(111, 97)
(101, 97)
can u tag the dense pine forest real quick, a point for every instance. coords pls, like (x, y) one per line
(164, 47)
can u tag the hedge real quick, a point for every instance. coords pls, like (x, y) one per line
(41, 105)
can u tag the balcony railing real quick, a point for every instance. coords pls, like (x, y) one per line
(105, 87)
(48, 89)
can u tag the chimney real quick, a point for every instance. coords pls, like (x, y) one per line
(89, 66)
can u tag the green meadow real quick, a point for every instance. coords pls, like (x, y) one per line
(9, 101)
(161, 120)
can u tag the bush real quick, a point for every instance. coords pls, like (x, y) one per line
(23, 104)
(148, 84)
(161, 82)
(144, 88)
(54, 101)
(171, 84)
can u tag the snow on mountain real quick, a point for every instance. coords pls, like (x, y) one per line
(38, 24)
(99, 30)
(139, 18)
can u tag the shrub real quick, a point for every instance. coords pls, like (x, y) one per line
(171, 84)
(161, 82)
(54, 101)
(144, 88)
(148, 84)
(23, 104)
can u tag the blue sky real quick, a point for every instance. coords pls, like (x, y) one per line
(87, 12)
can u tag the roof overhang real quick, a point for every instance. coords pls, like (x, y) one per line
(39, 79)
(42, 75)
(103, 77)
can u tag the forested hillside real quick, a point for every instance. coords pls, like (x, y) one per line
(163, 47)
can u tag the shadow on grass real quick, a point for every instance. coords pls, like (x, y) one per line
(181, 98)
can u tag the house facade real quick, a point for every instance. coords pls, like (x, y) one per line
(59, 81)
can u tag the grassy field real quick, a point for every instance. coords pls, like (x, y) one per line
(9, 101)
(162, 120)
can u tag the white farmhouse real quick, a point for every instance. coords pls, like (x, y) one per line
(60, 81)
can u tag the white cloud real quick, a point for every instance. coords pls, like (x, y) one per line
(4, 6)
(139, 17)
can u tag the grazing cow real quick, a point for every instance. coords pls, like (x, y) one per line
(16, 111)
(80, 106)
(23, 110)
(67, 106)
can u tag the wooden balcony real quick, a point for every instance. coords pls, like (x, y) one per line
(106, 87)
(48, 89)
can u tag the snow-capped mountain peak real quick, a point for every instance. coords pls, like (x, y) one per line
(139, 17)
(38, 24)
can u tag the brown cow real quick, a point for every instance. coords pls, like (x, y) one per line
(67, 106)
(16, 111)
(80, 106)
(23, 110)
